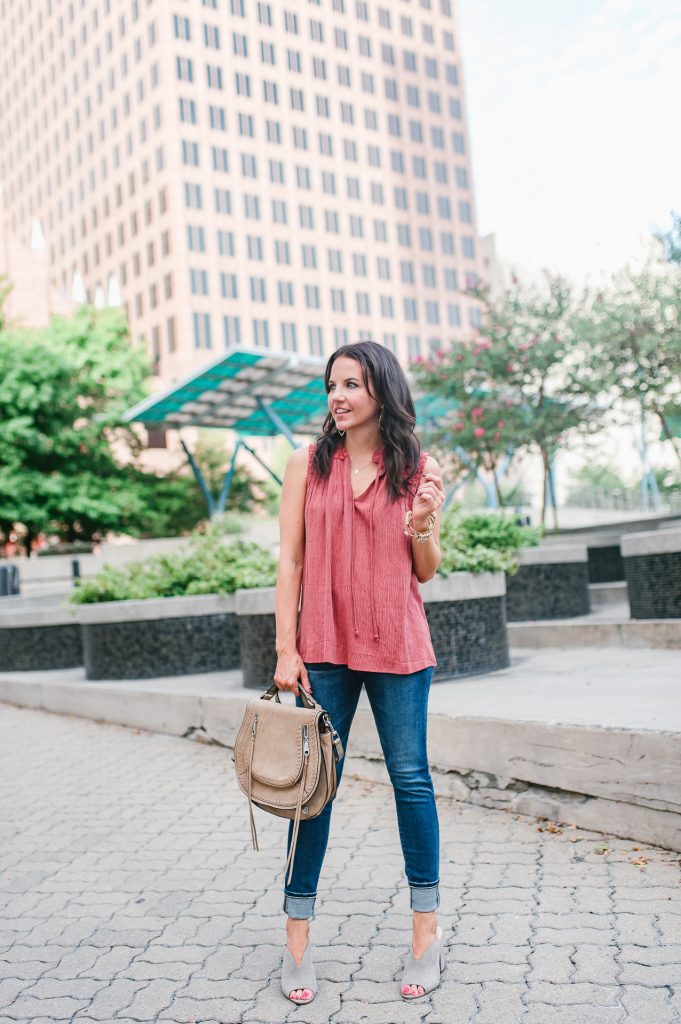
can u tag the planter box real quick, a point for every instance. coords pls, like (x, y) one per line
(551, 583)
(466, 614)
(33, 637)
(168, 636)
(652, 563)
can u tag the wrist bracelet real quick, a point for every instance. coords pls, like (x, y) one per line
(420, 535)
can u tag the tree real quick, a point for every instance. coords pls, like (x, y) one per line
(633, 331)
(68, 460)
(519, 384)
(671, 240)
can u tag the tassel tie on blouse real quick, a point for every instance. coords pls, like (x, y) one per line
(377, 457)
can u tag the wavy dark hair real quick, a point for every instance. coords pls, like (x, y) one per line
(401, 448)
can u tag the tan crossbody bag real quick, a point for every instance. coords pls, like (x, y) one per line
(285, 758)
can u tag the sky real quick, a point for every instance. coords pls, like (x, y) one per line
(574, 123)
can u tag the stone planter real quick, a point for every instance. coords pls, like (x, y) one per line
(257, 636)
(466, 614)
(33, 638)
(652, 563)
(167, 636)
(552, 582)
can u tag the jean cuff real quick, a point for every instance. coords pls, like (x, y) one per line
(424, 898)
(299, 906)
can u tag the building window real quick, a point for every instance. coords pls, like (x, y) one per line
(198, 281)
(229, 286)
(232, 329)
(315, 339)
(226, 243)
(289, 342)
(261, 334)
(223, 201)
(182, 27)
(196, 238)
(185, 69)
(187, 110)
(202, 331)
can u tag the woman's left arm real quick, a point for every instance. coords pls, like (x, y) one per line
(429, 497)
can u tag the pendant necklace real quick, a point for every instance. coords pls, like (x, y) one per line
(356, 471)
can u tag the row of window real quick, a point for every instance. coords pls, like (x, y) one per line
(405, 237)
(185, 67)
(198, 283)
(183, 28)
(232, 335)
(217, 117)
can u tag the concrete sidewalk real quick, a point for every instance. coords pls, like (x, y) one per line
(130, 893)
(591, 737)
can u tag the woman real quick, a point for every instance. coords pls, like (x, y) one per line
(359, 528)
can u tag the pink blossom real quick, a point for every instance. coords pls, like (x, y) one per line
(477, 411)
(459, 426)
(479, 432)
(459, 358)
(497, 436)
(501, 423)
(510, 368)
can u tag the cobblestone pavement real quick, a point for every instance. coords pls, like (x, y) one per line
(129, 892)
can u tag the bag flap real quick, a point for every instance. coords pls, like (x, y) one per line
(278, 754)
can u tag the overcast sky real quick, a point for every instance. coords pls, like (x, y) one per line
(574, 118)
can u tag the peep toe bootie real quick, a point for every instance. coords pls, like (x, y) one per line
(425, 971)
(296, 976)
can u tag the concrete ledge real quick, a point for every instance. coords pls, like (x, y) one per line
(38, 615)
(661, 633)
(605, 595)
(654, 542)
(155, 608)
(464, 586)
(555, 554)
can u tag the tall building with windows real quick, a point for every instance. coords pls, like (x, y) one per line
(291, 174)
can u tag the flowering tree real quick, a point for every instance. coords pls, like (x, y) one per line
(633, 331)
(520, 383)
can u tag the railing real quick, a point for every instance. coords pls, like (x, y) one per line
(620, 499)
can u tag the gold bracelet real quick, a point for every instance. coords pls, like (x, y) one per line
(420, 535)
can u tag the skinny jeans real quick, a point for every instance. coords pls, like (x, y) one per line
(400, 707)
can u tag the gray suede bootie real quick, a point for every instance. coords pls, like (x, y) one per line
(425, 971)
(298, 976)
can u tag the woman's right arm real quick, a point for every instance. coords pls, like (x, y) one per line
(290, 668)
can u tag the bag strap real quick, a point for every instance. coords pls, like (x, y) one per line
(296, 821)
(307, 700)
(254, 834)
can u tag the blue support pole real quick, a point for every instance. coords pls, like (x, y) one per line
(196, 469)
(276, 420)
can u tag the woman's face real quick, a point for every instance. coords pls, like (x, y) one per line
(347, 391)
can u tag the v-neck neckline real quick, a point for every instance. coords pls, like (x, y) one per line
(356, 497)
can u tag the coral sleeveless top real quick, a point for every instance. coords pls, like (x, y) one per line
(361, 604)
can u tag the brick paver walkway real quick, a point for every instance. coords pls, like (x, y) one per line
(129, 893)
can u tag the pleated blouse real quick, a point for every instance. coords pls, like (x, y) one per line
(361, 605)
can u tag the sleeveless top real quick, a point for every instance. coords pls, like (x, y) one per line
(361, 604)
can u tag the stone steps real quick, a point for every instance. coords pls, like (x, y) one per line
(597, 631)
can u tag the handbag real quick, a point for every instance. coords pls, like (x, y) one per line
(285, 758)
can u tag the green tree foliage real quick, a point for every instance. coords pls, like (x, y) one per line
(521, 383)
(633, 332)
(671, 240)
(68, 461)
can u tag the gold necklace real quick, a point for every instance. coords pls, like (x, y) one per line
(356, 471)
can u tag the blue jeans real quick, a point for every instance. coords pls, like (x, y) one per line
(400, 708)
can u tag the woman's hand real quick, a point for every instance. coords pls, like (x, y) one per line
(429, 496)
(291, 672)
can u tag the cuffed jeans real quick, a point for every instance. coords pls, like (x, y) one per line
(400, 708)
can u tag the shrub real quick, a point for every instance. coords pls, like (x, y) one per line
(482, 542)
(204, 567)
